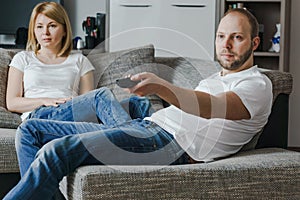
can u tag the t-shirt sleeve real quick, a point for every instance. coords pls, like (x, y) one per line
(19, 61)
(255, 93)
(86, 66)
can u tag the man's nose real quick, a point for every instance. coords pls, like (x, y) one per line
(227, 43)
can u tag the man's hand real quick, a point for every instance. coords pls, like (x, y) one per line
(149, 84)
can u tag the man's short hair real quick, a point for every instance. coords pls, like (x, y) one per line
(251, 19)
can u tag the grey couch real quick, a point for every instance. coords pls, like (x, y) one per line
(263, 169)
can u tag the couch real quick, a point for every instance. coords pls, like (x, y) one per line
(262, 169)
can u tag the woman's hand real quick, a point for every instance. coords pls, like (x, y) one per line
(54, 101)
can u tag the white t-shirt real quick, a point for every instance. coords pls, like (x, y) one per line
(207, 139)
(50, 80)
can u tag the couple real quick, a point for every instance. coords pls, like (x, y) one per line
(201, 125)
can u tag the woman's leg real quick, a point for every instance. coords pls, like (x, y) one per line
(137, 107)
(90, 107)
(136, 142)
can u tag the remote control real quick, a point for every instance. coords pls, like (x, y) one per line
(126, 82)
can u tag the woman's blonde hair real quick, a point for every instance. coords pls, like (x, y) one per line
(56, 12)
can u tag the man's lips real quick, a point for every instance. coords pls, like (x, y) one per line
(227, 55)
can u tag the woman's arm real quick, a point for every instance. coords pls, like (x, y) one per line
(86, 82)
(15, 101)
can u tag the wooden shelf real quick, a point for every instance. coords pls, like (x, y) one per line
(270, 54)
(242, 1)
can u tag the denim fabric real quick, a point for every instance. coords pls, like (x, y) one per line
(85, 108)
(48, 150)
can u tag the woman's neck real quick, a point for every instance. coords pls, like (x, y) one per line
(50, 56)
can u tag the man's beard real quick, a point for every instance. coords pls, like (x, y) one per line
(237, 63)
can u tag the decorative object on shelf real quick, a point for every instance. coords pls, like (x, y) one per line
(240, 5)
(94, 28)
(276, 40)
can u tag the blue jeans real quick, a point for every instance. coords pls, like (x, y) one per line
(48, 150)
(89, 108)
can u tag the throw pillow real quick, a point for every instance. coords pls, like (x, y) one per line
(114, 65)
(9, 119)
(5, 58)
(126, 58)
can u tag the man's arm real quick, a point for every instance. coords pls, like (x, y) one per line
(224, 105)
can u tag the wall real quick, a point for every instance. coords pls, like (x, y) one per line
(294, 127)
(78, 10)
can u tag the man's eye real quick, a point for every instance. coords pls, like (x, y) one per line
(238, 37)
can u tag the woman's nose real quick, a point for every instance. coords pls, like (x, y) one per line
(46, 31)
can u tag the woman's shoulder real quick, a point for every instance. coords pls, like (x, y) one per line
(77, 56)
(22, 57)
(24, 54)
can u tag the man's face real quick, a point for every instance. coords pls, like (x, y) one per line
(234, 46)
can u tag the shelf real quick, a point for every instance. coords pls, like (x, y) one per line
(269, 54)
(253, 1)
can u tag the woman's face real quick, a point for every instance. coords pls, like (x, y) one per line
(48, 32)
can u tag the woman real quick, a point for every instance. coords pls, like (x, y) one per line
(47, 75)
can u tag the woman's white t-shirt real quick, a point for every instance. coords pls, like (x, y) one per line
(50, 80)
(207, 139)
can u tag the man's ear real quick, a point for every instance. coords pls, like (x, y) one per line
(255, 42)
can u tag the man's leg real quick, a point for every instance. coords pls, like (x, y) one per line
(132, 143)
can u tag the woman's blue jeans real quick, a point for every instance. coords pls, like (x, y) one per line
(48, 150)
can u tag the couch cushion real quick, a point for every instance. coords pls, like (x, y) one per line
(9, 119)
(114, 65)
(187, 72)
(5, 58)
(272, 173)
(282, 82)
(8, 156)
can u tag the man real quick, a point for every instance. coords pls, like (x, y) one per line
(215, 120)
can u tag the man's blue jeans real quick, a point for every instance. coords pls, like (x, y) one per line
(48, 150)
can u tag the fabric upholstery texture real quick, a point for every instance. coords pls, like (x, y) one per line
(8, 156)
(5, 58)
(258, 174)
(9, 119)
(114, 65)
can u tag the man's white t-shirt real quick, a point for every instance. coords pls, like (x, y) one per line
(50, 80)
(207, 139)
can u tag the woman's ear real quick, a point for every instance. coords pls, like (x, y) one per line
(255, 42)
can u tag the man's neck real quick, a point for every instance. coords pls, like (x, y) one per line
(248, 64)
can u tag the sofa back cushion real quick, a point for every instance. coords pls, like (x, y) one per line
(5, 58)
(111, 66)
(7, 119)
